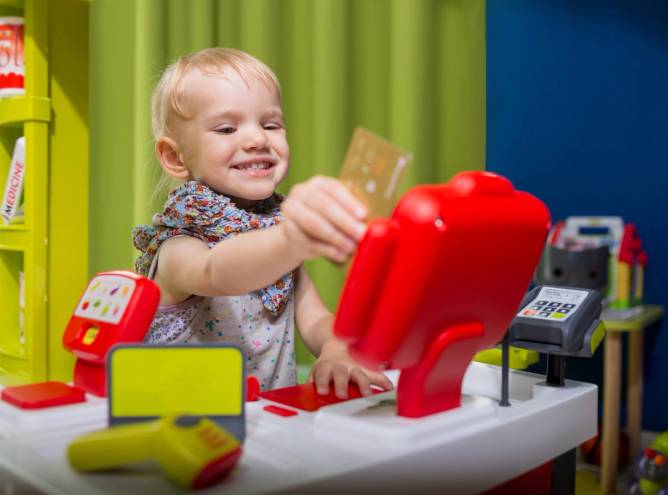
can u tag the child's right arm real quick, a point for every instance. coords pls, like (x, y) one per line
(321, 218)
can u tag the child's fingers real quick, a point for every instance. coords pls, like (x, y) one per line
(341, 377)
(342, 195)
(362, 380)
(328, 214)
(315, 225)
(344, 210)
(312, 224)
(336, 214)
(321, 378)
(315, 248)
(380, 380)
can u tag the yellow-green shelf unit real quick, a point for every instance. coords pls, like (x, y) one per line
(23, 353)
(50, 247)
(14, 237)
(20, 109)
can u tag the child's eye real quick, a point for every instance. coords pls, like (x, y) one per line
(225, 129)
(272, 127)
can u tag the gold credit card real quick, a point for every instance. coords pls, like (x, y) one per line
(372, 170)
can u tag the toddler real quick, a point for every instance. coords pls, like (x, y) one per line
(227, 250)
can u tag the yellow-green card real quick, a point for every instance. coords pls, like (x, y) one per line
(372, 170)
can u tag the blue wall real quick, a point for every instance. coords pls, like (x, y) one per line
(577, 113)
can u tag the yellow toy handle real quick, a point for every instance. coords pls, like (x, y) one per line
(115, 446)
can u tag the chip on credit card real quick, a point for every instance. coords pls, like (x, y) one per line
(372, 170)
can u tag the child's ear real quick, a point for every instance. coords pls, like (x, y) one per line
(170, 158)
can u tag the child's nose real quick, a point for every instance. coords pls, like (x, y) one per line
(256, 139)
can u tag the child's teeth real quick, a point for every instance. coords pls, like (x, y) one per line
(258, 166)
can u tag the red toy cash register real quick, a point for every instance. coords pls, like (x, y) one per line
(116, 307)
(438, 281)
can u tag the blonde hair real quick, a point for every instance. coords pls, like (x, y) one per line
(166, 101)
(168, 93)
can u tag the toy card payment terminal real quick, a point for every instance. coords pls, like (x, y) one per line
(559, 320)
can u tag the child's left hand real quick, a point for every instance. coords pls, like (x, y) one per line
(336, 365)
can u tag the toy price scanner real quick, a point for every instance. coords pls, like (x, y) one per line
(193, 451)
(440, 279)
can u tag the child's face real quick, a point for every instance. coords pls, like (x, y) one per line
(235, 142)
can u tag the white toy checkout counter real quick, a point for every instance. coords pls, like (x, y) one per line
(357, 446)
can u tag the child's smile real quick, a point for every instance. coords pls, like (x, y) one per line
(256, 167)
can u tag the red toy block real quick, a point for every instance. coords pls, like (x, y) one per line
(307, 398)
(280, 411)
(252, 389)
(41, 395)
